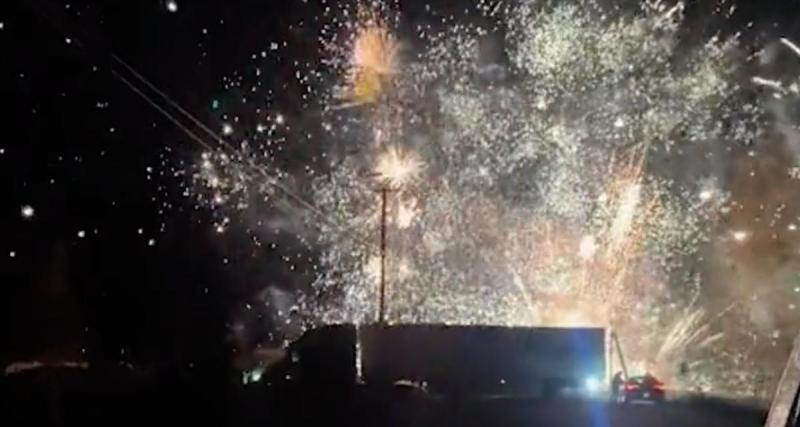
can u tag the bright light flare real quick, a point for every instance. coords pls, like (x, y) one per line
(626, 212)
(592, 384)
(405, 214)
(740, 236)
(397, 167)
(27, 211)
(587, 247)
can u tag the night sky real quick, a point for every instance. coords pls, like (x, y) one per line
(114, 263)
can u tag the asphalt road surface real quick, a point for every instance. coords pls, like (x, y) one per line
(73, 398)
(599, 414)
(420, 412)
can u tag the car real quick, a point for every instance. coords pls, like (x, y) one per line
(643, 388)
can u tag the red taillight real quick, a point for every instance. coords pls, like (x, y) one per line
(658, 386)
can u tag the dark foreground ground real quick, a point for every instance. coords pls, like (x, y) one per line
(85, 398)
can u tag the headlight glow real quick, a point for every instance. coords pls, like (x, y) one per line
(592, 384)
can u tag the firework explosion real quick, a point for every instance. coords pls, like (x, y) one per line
(535, 186)
(373, 61)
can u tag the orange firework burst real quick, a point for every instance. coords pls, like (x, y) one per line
(373, 60)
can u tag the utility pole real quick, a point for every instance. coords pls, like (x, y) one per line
(382, 289)
(609, 356)
(619, 353)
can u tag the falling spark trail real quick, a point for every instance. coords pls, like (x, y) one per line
(768, 83)
(788, 43)
(526, 295)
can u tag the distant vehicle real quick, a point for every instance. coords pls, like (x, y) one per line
(643, 388)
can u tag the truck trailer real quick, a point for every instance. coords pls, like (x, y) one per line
(450, 360)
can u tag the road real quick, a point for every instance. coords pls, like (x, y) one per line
(420, 412)
(600, 414)
(76, 398)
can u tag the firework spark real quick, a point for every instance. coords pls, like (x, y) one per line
(524, 212)
(546, 199)
(27, 211)
(788, 43)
